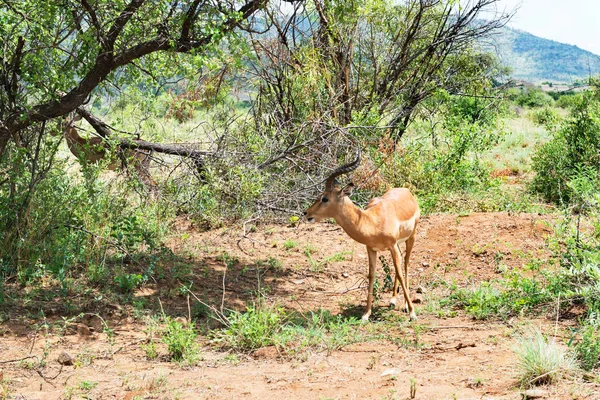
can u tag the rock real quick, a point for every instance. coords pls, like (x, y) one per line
(534, 394)
(94, 322)
(425, 264)
(182, 320)
(421, 289)
(83, 330)
(417, 298)
(268, 352)
(345, 274)
(298, 281)
(65, 359)
(391, 371)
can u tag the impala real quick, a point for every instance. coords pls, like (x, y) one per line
(385, 222)
(94, 149)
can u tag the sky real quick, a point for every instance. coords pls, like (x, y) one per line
(574, 22)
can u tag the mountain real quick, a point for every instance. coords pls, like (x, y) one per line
(535, 59)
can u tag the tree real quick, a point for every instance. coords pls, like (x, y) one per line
(373, 62)
(57, 52)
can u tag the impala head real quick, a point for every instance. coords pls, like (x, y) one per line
(332, 199)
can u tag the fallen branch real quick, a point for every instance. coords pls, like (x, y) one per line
(106, 131)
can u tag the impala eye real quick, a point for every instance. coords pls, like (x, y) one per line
(324, 200)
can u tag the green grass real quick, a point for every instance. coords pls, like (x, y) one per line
(515, 151)
(290, 244)
(293, 334)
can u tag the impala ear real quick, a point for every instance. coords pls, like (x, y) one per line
(347, 191)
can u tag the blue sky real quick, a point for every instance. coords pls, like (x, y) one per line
(568, 21)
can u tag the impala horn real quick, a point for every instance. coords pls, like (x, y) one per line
(344, 169)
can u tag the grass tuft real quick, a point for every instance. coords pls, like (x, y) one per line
(543, 361)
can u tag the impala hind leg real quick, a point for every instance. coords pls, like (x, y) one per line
(372, 263)
(396, 256)
(396, 288)
(409, 246)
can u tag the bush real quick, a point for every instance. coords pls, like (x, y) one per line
(572, 152)
(568, 101)
(251, 330)
(533, 97)
(181, 341)
(587, 348)
(546, 116)
(56, 225)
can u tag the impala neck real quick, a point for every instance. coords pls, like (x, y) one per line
(349, 218)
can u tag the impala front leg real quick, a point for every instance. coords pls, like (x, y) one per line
(372, 263)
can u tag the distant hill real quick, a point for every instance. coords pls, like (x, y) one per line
(535, 59)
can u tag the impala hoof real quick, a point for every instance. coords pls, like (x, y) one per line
(393, 303)
(365, 318)
(413, 317)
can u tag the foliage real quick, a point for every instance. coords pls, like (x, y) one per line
(181, 341)
(533, 97)
(59, 53)
(572, 152)
(446, 171)
(546, 116)
(587, 348)
(543, 361)
(251, 330)
(56, 225)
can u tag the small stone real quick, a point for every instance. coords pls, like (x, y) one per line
(181, 320)
(345, 274)
(534, 394)
(298, 281)
(94, 322)
(417, 298)
(391, 371)
(83, 330)
(65, 359)
(425, 264)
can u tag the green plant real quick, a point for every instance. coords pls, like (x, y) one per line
(253, 329)
(289, 244)
(587, 348)
(87, 385)
(542, 361)
(413, 388)
(546, 116)
(150, 350)
(533, 97)
(181, 341)
(127, 282)
(571, 153)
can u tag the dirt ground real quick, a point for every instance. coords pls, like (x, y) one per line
(457, 358)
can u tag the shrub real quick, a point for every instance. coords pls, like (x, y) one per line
(251, 330)
(533, 97)
(572, 152)
(181, 341)
(53, 224)
(588, 347)
(545, 116)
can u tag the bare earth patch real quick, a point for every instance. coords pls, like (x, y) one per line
(303, 268)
